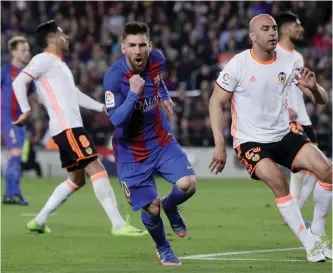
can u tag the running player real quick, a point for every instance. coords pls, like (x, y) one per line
(143, 141)
(62, 99)
(13, 136)
(290, 33)
(257, 82)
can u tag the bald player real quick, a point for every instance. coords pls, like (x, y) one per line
(290, 33)
(257, 82)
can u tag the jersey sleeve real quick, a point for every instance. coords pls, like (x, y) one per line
(119, 107)
(229, 76)
(38, 66)
(163, 90)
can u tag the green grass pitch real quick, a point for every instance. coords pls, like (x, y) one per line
(224, 216)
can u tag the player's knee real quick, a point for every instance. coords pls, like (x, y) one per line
(154, 207)
(80, 182)
(187, 184)
(94, 167)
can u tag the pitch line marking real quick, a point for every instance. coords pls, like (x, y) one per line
(205, 256)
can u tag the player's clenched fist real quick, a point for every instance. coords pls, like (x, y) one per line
(136, 84)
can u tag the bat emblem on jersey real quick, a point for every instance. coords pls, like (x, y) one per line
(157, 80)
(282, 77)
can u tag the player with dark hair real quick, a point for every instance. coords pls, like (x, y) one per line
(62, 99)
(290, 34)
(13, 136)
(257, 82)
(143, 142)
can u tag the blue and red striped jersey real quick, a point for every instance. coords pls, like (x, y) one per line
(10, 108)
(141, 127)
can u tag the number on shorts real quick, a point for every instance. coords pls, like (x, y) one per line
(84, 141)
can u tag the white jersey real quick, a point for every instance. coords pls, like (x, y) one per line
(259, 100)
(56, 87)
(296, 97)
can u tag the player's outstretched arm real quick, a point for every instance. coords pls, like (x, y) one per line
(87, 102)
(219, 97)
(307, 83)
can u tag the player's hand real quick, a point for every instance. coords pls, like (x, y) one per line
(168, 105)
(306, 78)
(292, 114)
(23, 119)
(136, 84)
(219, 159)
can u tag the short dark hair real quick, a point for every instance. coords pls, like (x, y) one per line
(285, 18)
(135, 27)
(43, 31)
(13, 42)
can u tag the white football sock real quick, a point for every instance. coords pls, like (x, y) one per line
(59, 195)
(322, 197)
(107, 199)
(292, 215)
(309, 181)
(296, 185)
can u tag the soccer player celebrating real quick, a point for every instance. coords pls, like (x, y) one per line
(62, 99)
(143, 142)
(257, 82)
(13, 136)
(291, 32)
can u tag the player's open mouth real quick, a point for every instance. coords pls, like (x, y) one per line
(138, 61)
(272, 41)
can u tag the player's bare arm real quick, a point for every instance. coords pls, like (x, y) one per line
(20, 89)
(217, 100)
(307, 83)
(88, 103)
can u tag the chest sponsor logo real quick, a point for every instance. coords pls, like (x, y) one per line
(147, 104)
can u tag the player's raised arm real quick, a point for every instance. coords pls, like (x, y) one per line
(87, 102)
(119, 107)
(307, 83)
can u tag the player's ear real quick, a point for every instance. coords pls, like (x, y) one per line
(122, 46)
(252, 36)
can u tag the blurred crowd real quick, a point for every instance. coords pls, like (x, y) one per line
(197, 38)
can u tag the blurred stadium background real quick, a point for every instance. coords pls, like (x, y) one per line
(197, 38)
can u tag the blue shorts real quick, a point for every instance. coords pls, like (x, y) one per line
(12, 135)
(137, 178)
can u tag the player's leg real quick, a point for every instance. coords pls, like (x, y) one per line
(296, 179)
(152, 220)
(101, 184)
(14, 138)
(308, 184)
(137, 182)
(105, 194)
(174, 167)
(309, 179)
(310, 158)
(259, 160)
(75, 181)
